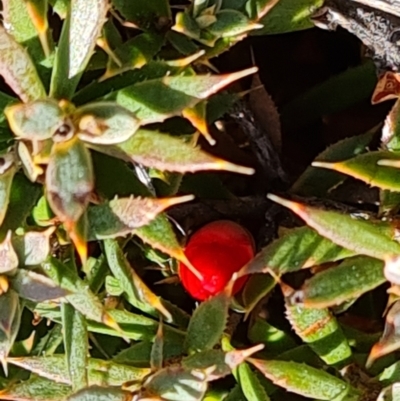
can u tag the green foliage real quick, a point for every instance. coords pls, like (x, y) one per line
(99, 127)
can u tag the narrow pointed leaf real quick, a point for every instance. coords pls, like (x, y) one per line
(197, 116)
(82, 299)
(142, 12)
(223, 361)
(177, 384)
(328, 288)
(69, 180)
(38, 10)
(132, 326)
(23, 197)
(156, 100)
(100, 372)
(320, 330)
(231, 23)
(10, 319)
(165, 152)
(100, 393)
(276, 340)
(105, 123)
(390, 340)
(138, 212)
(76, 345)
(367, 167)
(18, 70)
(299, 248)
(250, 384)
(256, 288)
(78, 39)
(160, 235)
(36, 389)
(317, 182)
(360, 236)
(207, 324)
(136, 291)
(36, 287)
(257, 9)
(157, 349)
(305, 380)
(6, 180)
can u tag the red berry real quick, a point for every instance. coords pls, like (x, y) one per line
(217, 250)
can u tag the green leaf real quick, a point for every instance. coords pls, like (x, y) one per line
(60, 7)
(76, 346)
(96, 90)
(136, 291)
(130, 325)
(139, 353)
(17, 18)
(138, 212)
(155, 100)
(299, 248)
(33, 247)
(320, 330)
(100, 393)
(276, 341)
(317, 182)
(223, 362)
(361, 236)
(371, 168)
(390, 374)
(177, 384)
(232, 23)
(160, 235)
(143, 13)
(69, 180)
(255, 289)
(105, 123)
(80, 31)
(37, 10)
(35, 287)
(36, 389)
(23, 198)
(134, 53)
(305, 380)
(157, 349)
(250, 384)
(289, 16)
(207, 324)
(120, 217)
(5, 100)
(181, 43)
(165, 152)
(18, 70)
(82, 299)
(100, 372)
(10, 319)
(328, 288)
(35, 121)
(6, 180)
